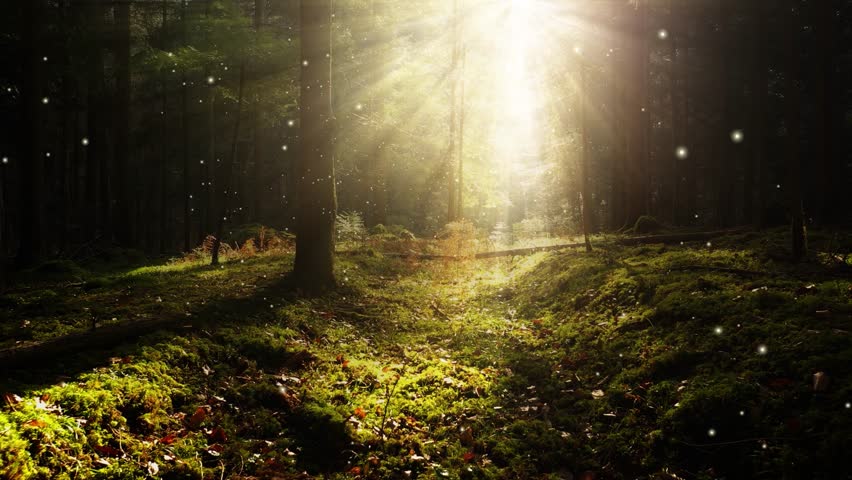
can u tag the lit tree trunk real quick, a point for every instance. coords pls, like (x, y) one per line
(584, 163)
(313, 269)
(33, 89)
(460, 180)
(122, 186)
(452, 184)
(376, 42)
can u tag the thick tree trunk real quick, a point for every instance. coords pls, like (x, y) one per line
(313, 269)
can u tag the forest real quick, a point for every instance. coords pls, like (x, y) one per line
(388, 239)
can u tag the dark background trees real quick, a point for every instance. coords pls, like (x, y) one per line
(116, 118)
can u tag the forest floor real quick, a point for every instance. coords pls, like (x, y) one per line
(705, 360)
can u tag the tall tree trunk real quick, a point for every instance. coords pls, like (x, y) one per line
(452, 181)
(792, 120)
(224, 179)
(754, 189)
(377, 193)
(258, 152)
(673, 178)
(122, 184)
(584, 162)
(33, 89)
(184, 127)
(460, 179)
(314, 264)
(688, 164)
(825, 203)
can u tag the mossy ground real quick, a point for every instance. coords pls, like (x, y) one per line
(615, 364)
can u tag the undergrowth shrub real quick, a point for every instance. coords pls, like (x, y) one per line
(349, 228)
(458, 239)
(243, 243)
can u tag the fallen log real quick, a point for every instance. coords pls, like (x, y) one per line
(528, 251)
(102, 338)
(680, 237)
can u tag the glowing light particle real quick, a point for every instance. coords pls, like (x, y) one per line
(682, 152)
(284, 148)
(762, 349)
(737, 136)
(717, 330)
(711, 432)
(45, 100)
(290, 123)
(84, 141)
(5, 160)
(211, 80)
(662, 34)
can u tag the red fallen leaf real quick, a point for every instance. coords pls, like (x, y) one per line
(198, 417)
(355, 470)
(360, 413)
(36, 422)
(45, 397)
(169, 439)
(107, 451)
(215, 448)
(468, 457)
(342, 361)
(588, 475)
(11, 399)
(374, 460)
(537, 321)
(327, 315)
(218, 435)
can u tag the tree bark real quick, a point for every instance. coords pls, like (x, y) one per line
(122, 186)
(584, 162)
(792, 118)
(33, 89)
(313, 268)
(224, 180)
